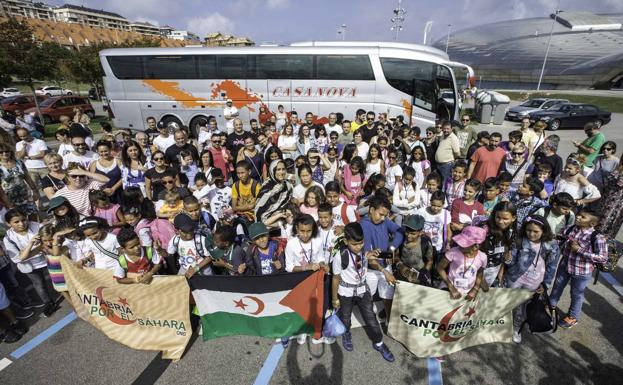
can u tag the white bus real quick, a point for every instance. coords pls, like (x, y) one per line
(184, 84)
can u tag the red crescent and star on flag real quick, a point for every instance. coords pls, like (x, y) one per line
(242, 305)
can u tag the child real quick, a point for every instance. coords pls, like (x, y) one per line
(504, 184)
(190, 248)
(325, 230)
(420, 164)
(304, 251)
(313, 198)
(227, 257)
(436, 221)
(206, 223)
(415, 260)
(220, 195)
(343, 213)
(543, 173)
(353, 181)
(433, 184)
(244, 192)
(52, 247)
(102, 246)
(64, 214)
(188, 168)
(465, 210)
(532, 263)
(525, 199)
(407, 193)
(500, 230)
(490, 196)
(559, 215)
(454, 187)
(173, 205)
(102, 208)
(349, 288)
(573, 182)
(136, 264)
(22, 245)
(318, 164)
(320, 132)
(263, 256)
(582, 249)
(465, 264)
(393, 173)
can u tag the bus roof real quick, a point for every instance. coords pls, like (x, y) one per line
(373, 44)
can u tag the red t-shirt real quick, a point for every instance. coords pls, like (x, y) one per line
(219, 160)
(487, 163)
(463, 213)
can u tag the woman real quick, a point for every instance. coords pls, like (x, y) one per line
(374, 162)
(611, 218)
(81, 117)
(281, 117)
(264, 115)
(275, 193)
(305, 141)
(287, 142)
(107, 165)
(133, 166)
(17, 188)
(431, 142)
(273, 153)
(79, 183)
(362, 147)
(153, 176)
(54, 181)
(605, 163)
(537, 139)
(518, 166)
(206, 163)
(250, 153)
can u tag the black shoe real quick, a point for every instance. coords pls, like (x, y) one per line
(10, 337)
(50, 309)
(18, 328)
(59, 300)
(22, 314)
(35, 306)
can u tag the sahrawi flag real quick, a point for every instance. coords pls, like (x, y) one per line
(267, 306)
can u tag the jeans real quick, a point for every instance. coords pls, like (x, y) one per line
(372, 327)
(578, 285)
(13, 289)
(445, 170)
(41, 282)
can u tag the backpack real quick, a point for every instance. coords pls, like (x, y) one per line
(160, 229)
(198, 244)
(254, 185)
(123, 261)
(547, 210)
(344, 214)
(539, 317)
(614, 249)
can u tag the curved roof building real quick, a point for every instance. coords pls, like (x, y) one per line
(586, 51)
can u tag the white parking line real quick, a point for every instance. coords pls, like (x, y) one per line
(4, 363)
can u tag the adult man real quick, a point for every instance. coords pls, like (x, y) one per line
(26, 121)
(360, 119)
(31, 151)
(549, 156)
(369, 131)
(482, 139)
(591, 145)
(447, 151)
(466, 134)
(263, 144)
(80, 154)
(152, 129)
(309, 119)
(347, 135)
(221, 157)
(230, 113)
(164, 140)
(527, 133)
(486, 161)
(332, 125)
(255, 128)
(143, 142)
(235, 140)
(294, 121)
(172, 154)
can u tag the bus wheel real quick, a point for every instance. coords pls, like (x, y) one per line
(194, 126)
(171, 119)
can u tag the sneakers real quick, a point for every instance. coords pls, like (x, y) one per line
(516, 337)
(323, 340)
(35, 306)
(568, 322)
(384, 350)
(22, 314)
(200, 330)
(285, 341)
(347, 342)
(18, 328)
(50, 309)
(10, 337)
(301, 339)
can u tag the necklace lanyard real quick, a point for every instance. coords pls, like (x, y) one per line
(326, 240)
(538, 254)
(359, 274)
(465, 268)
(311, 251)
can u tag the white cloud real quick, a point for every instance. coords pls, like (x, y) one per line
(146, 19)
(273, 4)
(214, 22)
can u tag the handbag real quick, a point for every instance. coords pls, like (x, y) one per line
(539, 317)
(333, 326)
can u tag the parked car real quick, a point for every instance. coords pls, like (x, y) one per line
(52, 108)
(21, 102)
(528, 107)
(571, 115)
(6, 92)
(53, 91)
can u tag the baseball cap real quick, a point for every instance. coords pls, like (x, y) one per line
(56, 202)
(229, 101)
(470, 236)
(184, 223)
(257, 229)
(414, 222)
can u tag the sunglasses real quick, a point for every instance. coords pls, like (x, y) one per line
(573, 161)
(77, 176)
(159, 158)
(517, 153)
(393, 157)
(79, 144)
(608, 148)
(168, 182)
(465, 120)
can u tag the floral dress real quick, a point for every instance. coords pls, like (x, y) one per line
(611, 217)
(15, 187)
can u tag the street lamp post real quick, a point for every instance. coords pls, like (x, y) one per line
(398, 19)
(342, 31)
(448, 38)
(549, 42)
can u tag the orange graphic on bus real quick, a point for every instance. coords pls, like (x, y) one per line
(407, 106)
(172, 90)
(241, 97)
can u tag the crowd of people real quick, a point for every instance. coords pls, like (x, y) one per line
(371, 201)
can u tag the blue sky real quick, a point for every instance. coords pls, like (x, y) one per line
(286, 21)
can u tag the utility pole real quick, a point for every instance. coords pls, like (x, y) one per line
(427, 28)
(398, 19)
(549, 42)
(448, 38)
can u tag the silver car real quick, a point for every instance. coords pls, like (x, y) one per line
(526, 108)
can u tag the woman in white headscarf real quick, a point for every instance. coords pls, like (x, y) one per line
(275, 193)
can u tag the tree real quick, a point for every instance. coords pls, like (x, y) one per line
(23, 57)
(85, 66)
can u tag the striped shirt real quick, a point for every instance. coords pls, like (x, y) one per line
(56, 273)
(80, 198)
(582, 262)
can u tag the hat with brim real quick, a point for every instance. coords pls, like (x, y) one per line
(184, 223)
(56, 202)
(256, 230)
(229, 101)
(471, 235)
(414, 222)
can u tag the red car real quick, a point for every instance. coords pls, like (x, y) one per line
(52, 108)
(20, 102)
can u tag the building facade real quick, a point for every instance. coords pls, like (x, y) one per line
(26, 9)
(145, 28)
(92, 17)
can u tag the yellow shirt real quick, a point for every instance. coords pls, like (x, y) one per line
(242, 194)
(354, 126)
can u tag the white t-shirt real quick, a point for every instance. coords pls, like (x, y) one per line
(337, 214)
(119, 272)
(286, 141)
(303, 254)
(299, 190)
(84, 160)
(14, 243)
(229, 123)
(188, 254)
(219, 200)
(328, 238)
(78, 250)
(335, 128)
(434, 225)
(205, 138)
(391, 173)
(163, 143)
(33, 148)
(362, 150)
(350, 274)
(104, 260)
(64, 149)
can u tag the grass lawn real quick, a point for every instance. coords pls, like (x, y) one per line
(50, 129)
(603, 102)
